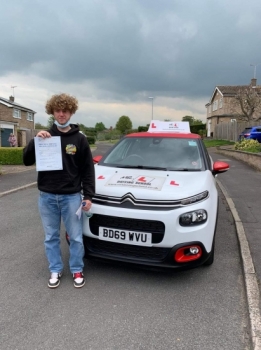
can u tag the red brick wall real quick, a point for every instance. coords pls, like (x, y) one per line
(6, 114)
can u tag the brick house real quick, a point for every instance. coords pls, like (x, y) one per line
(15, 119)
(222, 108)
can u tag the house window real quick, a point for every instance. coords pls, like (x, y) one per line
(30, 116)
(16, 113)
(221, 103)
(215, 106)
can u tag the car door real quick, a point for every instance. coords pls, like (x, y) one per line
(258, 134)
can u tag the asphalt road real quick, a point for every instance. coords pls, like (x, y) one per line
(120, 307)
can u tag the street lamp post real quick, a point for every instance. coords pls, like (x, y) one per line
(255, 65)
(151, 107)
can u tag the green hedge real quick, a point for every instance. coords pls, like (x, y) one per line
(198, 129)
(91, 140)
(143, 128)
(11, 155)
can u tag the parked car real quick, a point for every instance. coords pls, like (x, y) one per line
(251, 132)
(156, 200)
(82, 133)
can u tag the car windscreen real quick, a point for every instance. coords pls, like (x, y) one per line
(159, 153)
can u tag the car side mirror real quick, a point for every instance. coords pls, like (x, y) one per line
(96, 159)
(219, 167)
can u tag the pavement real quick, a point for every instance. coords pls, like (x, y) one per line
(241, 186)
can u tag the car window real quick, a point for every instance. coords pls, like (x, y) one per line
(119, 153)
(247, 130)
(171, 153)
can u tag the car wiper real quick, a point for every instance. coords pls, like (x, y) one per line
(142, 167)
(184, 169)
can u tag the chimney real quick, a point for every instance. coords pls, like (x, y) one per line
(253, 82)
(11, 98)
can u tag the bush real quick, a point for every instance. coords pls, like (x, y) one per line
(108, 135)
(143, 128)
(247, 145)
(91, 140)
(11, 155)
(198, 129)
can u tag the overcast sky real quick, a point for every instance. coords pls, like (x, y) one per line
(115, 54)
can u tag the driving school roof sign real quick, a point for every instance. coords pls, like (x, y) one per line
(159, 126)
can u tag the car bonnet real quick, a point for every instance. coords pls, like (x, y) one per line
(157, 185)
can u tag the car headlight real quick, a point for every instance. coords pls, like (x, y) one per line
(195, 217)
(197, 198)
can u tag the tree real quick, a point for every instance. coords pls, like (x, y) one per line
(100, 126)
(247, 104)
(192, 120)
(87, 131)
(39, 126)
(188, 118)
(124, 124)
(50, 122)
(197, 122)
(143, 128)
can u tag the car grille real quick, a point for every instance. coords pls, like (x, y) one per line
(156, 228)
(125, 251)
(130, 202)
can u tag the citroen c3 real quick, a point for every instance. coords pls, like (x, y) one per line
(156, 200)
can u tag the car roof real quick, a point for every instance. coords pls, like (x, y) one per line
(165, 134)
(251, 127)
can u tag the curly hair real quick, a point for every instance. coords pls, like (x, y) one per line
(63, 101)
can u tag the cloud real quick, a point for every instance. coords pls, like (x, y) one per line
(113, 54)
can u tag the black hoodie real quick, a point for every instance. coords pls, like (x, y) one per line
(78, 168)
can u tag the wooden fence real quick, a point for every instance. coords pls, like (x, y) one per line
(230, 131)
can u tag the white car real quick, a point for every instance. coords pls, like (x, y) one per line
(156, 200)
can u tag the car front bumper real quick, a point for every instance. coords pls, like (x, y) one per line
(148, 256)
(168, 237)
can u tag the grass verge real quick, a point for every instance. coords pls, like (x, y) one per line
(216, 143)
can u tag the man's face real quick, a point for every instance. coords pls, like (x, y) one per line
(61, 116)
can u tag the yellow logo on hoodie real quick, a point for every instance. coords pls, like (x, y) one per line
(70, 149)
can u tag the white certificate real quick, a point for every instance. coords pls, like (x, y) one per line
(48, 153)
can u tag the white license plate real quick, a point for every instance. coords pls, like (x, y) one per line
(125, 236)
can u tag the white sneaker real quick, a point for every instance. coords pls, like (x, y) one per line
(54, 280)
(78, 279)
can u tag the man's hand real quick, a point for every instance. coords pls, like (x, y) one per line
(86, 205)
(43, 134)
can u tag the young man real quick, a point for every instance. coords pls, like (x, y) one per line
(60, 190)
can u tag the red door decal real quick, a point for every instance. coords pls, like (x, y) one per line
(173, 183)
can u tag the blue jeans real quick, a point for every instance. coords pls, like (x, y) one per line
(53, 208)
